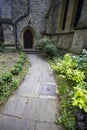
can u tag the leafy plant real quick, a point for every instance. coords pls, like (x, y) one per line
(18, 66)
(15, 70)
(2, 47)
(22, 55)
(47, 46)
(20, 61)
(6, 77)
(4, 89)
(80, 99)
(75, 75)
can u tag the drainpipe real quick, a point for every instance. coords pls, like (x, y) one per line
(20, 18)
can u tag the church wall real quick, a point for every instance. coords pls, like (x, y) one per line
(6, 16)
(76, 41)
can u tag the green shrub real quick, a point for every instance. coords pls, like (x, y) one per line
(50, 50)
(2, 47)
(82, 60)
(80, 99)
(15, 70)
(6, 77)
(1, 82)
(56, 69)
(4, 89)
(67, 63)
(75, 75)
(43, 42)
(20, 61)
(19, 66)
(47, 46)
(22, 55)
(82, 85)
(15, 83)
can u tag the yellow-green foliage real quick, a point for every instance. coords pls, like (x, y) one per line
(80, 99)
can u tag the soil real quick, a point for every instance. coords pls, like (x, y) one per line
(7, 60)
(81, 119)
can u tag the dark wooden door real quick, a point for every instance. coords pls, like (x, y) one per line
(28, 39)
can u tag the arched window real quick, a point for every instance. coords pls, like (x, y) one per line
(70, 14)
(78, 12)
(65, 14)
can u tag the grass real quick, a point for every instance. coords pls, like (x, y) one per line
(66, 109)
(7, 60)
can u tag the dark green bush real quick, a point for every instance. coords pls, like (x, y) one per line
(4, 89)
(22, 56)
(2, 47)
(47, 46)
(1, 82)
(50, 50)
(20, 61)
(19, 66)
(7, 77)
(15, 70)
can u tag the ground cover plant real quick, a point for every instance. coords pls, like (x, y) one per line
(47, 47)
(71, 76)
(13, 68)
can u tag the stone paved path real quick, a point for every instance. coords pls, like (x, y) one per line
(34, 105)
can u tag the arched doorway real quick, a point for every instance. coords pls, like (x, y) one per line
(28, 39)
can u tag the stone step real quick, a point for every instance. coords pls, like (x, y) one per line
(30, 51)
(10, 47)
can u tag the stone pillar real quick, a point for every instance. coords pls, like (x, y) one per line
(61, 15)
(71, 14)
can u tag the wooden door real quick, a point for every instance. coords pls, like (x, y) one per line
(28, 39)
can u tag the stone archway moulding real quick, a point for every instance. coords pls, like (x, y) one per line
(33, 33)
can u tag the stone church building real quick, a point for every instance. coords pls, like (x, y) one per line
(24, 22)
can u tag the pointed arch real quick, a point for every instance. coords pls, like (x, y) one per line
(28, 37)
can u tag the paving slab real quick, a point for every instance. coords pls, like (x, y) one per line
(48, 89)
(47, 126)
(13, 123)
(29, 89)
(46, 78)
(41, 110)
(14, 106)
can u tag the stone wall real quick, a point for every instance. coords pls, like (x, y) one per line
(38, 10)
(53, 17)
(19, 8)
(64, 40)
(24, 13)
(79, 41)
(6, 15)
(35, 19)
